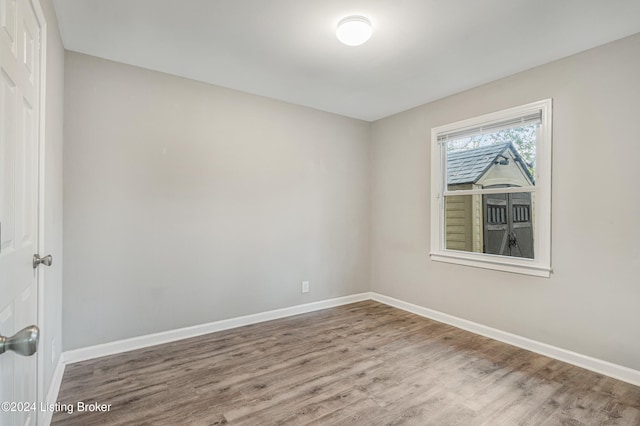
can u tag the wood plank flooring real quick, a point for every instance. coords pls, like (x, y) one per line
(360, 364)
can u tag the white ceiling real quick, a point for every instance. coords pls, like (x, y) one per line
(421, 50)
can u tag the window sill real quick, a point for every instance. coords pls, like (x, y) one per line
(496, 263)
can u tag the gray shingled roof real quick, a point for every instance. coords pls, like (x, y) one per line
(468, 166)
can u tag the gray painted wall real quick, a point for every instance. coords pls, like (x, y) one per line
(51, 291)
(590, 304)
(187, 203)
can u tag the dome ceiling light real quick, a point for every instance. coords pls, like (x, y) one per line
(354, 30)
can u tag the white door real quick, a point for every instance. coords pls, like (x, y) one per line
(20, 38)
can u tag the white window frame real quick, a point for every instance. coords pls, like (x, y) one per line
(540, 265)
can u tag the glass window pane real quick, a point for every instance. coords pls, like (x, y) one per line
(500, 224)
(505, 158)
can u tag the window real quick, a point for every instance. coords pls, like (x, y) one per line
(491, 190)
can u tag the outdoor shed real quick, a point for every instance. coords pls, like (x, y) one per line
(497, 223)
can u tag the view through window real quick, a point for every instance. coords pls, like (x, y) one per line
(491, 190)
(494, 223)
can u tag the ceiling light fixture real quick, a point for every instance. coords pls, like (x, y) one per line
(354, 30)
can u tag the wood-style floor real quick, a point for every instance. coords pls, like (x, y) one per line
(359, 364)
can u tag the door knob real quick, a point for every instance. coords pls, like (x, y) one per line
(37, 260)
(24, 342)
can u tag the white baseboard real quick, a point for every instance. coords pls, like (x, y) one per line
(125, 345)
(616, 371)
(52, 393)
(599, 366)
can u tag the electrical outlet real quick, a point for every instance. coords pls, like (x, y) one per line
(305, 286)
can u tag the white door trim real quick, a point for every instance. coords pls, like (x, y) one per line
(40, 388)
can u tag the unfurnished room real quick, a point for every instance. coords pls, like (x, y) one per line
(292, 212)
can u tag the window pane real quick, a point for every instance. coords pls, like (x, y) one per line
(504, 158)
(500, 224)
